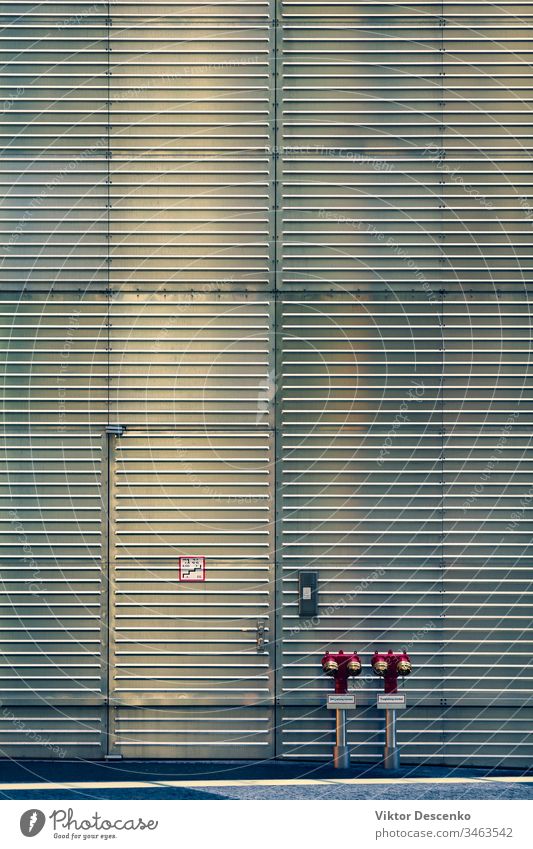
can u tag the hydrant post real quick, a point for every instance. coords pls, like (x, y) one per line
(341, 752)
(391, 755)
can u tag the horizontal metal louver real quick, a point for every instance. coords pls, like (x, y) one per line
(199, 732)
(191, 361)
(365, 512)
(53, 351)
(53, 224)
(181, 223)
(52, 731)
(434, 734)
(423, 223)
(361, 363)
(404, 224)
(186, 86)
(54, 82)
(188, 190)
(487, 363)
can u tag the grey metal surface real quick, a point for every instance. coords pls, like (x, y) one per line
(191, 83)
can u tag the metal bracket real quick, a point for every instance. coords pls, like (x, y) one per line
(115, 430)
(260, 641)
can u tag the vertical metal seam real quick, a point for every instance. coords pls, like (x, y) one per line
(442, 381)
(108, 210)
(277, 594)
(105, 635)
(108, 359)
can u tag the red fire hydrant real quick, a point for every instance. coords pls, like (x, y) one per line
(341, 667)
(389, 666)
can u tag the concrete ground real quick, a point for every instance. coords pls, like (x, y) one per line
(246, 780)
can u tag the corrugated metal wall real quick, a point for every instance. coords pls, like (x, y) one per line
(404, 368)
(288, 246)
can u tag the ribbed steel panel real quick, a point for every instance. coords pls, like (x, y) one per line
(182, 223)
(53, 223)
(487, 364)
(371, 163)
(222, 732)
(175, 643)
(489, 737)
(53, 594)
(192, 360)
(365, 511)
(54, 139)
(53, 350)
(189, 86)
(360, 363)
(413, 505)
(366, 81)
(425, 223)
(486, 66)
(405, 77)
(51, 731)
(405, 396)
(55, 81)
(362, 222)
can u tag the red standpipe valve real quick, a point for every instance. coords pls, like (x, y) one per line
(341, 666)
(389, 666)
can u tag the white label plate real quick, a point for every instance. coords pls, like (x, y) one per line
(391, 700)
(341, 701)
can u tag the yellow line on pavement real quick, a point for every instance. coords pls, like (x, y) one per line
(266, 782)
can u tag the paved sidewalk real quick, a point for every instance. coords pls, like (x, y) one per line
(219, 780)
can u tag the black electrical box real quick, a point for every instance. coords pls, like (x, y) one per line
(307, 594)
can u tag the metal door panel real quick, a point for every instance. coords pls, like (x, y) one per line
(177, 644)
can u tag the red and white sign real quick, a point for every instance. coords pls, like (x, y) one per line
(192, 569)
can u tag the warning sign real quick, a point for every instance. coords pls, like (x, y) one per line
(192, 569)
